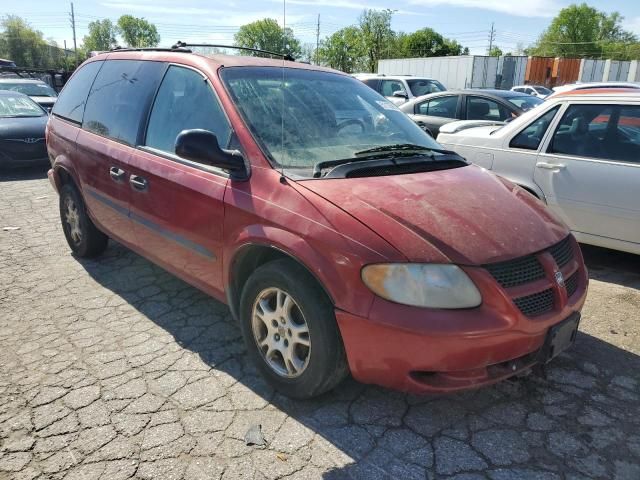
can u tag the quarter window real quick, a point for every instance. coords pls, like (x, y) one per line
(185, 101)
(120, 97)
(72, 99)
(530, 137)
(480, 108)
(444, 107)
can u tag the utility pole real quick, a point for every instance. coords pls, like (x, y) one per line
(317, 39)
(73, 27)
(492, 37)
(66, 62)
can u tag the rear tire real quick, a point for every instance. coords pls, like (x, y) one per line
(83, 237)
(290, 330)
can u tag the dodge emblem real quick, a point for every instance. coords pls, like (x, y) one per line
(559, 279)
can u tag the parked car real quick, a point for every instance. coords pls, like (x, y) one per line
(338, 249)
(579, 153)
(594, 85)
(22, 124)
(433, 111)
(400, 88)
(539, 91)
(38, 90)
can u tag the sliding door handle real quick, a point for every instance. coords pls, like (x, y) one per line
(139, 183)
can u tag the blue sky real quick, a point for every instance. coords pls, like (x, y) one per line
(468, 21)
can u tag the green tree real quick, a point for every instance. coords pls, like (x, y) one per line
(266, 34)
(26, 46)
(102, 36)
(344, 50)
(495, 52)
(137, 32)
(425, 42)
(583, 31)
(377, 36)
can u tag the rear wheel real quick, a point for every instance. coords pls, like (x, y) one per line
(82, 235)
(291, 331)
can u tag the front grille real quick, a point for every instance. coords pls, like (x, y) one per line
(18, 150)
(562, 252)
(536, 304)
(528, 269)
(571, 284)
(516, 272)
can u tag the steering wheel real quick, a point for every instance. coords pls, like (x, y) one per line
(352, 121)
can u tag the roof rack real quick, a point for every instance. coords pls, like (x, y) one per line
(285, 56)
(150, 49)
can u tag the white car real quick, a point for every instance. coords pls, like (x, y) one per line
(591, 85)
(578, 152)
(539, 91)
(400, 88)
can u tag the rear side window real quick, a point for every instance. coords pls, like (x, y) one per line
(480, 108)
(120, 98)
(185, 101)
(72, 99)
(371, 82)
(583, 131)
(444, 107)
(530, 137)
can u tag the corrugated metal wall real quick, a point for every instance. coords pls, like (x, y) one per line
(505, 72)
(453, 72)
(462, 71)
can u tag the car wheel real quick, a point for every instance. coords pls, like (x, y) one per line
(82, 235)
(290, 329)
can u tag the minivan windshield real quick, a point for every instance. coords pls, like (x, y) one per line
(31, 89)
(327, 116)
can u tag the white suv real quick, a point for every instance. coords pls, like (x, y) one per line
(400, 88)
(535, 90)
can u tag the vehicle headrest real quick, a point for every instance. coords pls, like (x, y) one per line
(479, 109)
(578, 126)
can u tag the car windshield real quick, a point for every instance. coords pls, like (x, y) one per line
(424, 87)
(19, 106)
(31, 89)
(525, 102)
(327, 116)
(543, 90)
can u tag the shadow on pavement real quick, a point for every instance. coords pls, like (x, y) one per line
(612, 266)
(28, 173)
(582, 417)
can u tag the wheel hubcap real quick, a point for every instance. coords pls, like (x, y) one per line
(72, 217)
(281, 332)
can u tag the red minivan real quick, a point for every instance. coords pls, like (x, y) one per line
(342, 237)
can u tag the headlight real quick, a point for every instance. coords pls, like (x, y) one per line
(422, 285)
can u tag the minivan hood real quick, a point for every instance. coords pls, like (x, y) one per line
(464, 215)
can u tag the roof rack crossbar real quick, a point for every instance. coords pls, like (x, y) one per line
(149, 49)
(285, 56)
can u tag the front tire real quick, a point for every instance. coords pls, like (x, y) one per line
(290, 330)
(83, 237)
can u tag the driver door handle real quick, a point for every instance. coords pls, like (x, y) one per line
(139, 183)
(551, 166)
(117, 174)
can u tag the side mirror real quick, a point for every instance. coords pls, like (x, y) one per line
(202, 146)
(400, 94)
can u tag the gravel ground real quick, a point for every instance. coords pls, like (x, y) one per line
(114, 369)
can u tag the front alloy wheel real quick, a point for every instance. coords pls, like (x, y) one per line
(281, 332)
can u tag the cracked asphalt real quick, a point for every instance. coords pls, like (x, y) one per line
(114, 369)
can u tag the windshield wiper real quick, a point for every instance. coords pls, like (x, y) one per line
(388, 152)
(399, 147)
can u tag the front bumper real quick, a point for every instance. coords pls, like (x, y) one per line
(438, 351)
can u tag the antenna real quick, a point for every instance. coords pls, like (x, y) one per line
(282, 86)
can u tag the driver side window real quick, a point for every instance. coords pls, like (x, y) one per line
(390, 86)
(530, 137)
(185, 101)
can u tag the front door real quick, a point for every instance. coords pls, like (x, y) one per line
(590, 171)
(177, 205)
